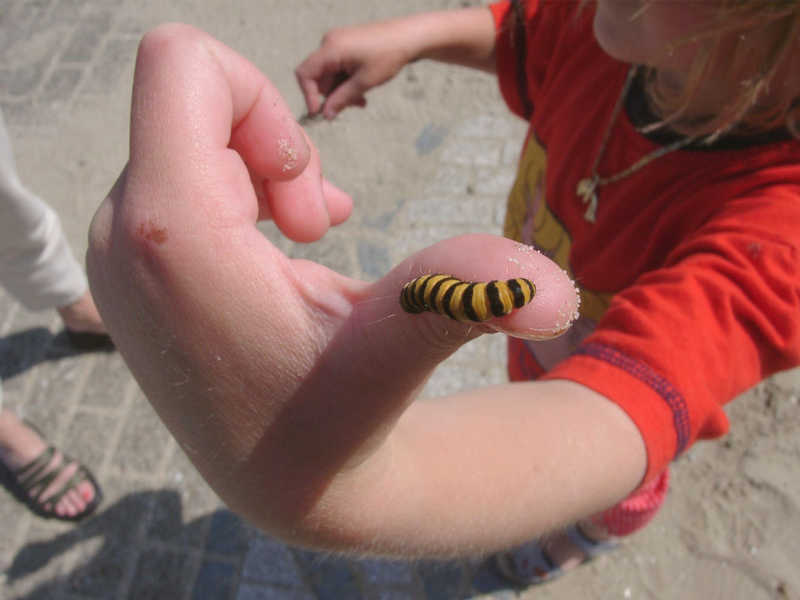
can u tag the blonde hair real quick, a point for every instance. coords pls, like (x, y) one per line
(748, 70)
(748, 110)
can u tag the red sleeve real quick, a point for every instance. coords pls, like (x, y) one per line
(527, 36)
(722, 314)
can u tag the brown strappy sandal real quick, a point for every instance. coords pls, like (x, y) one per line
(29, 483)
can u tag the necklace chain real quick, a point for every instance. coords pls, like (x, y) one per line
(587, 187)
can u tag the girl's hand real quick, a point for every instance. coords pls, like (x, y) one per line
(349, 62)
(352, 60)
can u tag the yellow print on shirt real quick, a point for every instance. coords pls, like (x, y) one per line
(529, 220)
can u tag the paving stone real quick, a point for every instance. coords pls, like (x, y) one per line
(512, 149)
(430, 138)
(23, 80)
(486, 580)
(88, 438)
(161, 574)
(333, 578)
(7, 305)
(789, 379)
(467, 209)
(270, 562)
(168, 524)
(451, 180)
(183, 511)
(215, 581)
(64, 12)
(249, 591)
(484, 350)
(54, 388)
(388, 572)
(376, 203)
(373, 259)
(22, 28)
(446, 381)
(442, 580)
(87, 38)
(61, 84)
(39, 563)
(473, 152)
(107, 383)
(415, 238)
(116, 59)
(29, 12)
(333, 251)
(22, 350)
(15, 109)
(391, 594)
(493, 182)
(144, 440)
(228, 535)
(99, 573)
(489, 126)
(14, 517)
(102, 566)
(274, 235)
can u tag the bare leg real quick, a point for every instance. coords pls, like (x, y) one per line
(81, 316)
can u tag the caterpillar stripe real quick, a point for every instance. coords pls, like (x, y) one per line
(465, 300)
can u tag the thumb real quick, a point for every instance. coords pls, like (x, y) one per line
(420, 341)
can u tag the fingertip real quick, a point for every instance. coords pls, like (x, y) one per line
(273, 148)
(329, 111)
(554, 307)
(298, 207)
(340, 203)
(481, 257)
(310, 90)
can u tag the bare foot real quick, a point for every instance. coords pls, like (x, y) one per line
(81, 316)
(19, 445)
(565, 553)
(538, 561)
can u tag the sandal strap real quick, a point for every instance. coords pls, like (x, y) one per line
(34, 482)
(528, 564)
(80, 474)
(28, 476)
(591, 548)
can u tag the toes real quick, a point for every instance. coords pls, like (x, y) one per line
(75, 500)
(86, 492)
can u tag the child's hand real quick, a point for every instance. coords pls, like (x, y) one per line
(349, 62)
(352, 60)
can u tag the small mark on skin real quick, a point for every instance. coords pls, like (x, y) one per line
(152, 232)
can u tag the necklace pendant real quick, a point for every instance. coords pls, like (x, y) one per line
(586, 191)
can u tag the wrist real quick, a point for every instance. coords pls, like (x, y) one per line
(465, 37)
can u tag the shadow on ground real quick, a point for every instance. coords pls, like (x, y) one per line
(139, 547)
(23, 350)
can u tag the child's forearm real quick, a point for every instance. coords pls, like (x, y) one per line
(464, 37)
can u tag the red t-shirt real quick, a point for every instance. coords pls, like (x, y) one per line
(689, 278)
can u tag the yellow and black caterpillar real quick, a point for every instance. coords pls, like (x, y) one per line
(465, 300)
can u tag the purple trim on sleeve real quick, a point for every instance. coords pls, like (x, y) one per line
(645, 374)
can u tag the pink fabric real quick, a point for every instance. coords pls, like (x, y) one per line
(635, 511)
